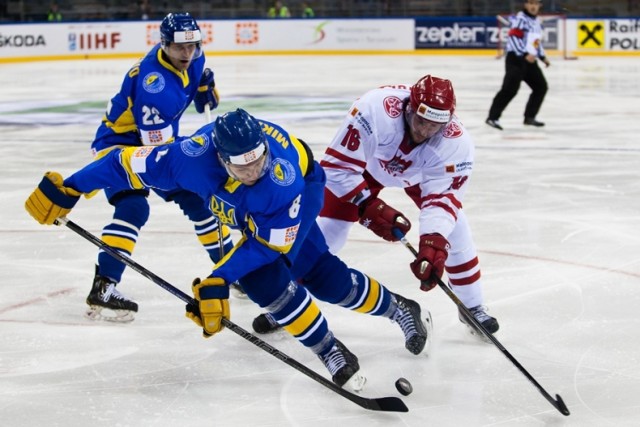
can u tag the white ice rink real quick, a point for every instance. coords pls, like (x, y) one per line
(555, 214)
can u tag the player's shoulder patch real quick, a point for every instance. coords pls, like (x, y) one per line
(453, 130)
(195, 146)
(153, 82)
(282, 172)
(392, 106)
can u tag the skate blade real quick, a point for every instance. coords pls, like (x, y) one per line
(97, 313)
(356, 383)
(477, 334)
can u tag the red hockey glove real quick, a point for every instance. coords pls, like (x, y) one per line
(381, 218)
(429, 263)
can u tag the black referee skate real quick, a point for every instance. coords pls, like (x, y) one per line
(104, 295)
(343, 366)
(494, 123)
(533, 122)
(265, 324)
(479, 312)
(417, 333)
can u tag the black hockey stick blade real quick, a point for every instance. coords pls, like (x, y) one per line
(387, 404)
(560, 406)
(557, 403)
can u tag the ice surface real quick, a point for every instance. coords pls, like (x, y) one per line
(555, 214)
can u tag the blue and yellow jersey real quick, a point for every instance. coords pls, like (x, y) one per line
(148, 107)
(267, 213)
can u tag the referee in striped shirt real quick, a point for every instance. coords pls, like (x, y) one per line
(524, 48)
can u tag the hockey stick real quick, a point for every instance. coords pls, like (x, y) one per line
(504, 21)
(390, 404)
(557, 403)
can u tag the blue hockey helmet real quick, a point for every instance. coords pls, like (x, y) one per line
(241, 143)
(179, 28)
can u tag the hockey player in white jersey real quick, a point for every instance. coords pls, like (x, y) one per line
(408, 137)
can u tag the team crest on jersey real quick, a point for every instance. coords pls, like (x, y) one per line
(153, 82)
(392, 106)
(226, 213)
(195, 145)
(453, 130)
(396, 166)
(282, 172)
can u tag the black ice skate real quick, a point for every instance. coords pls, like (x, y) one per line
(265, 324)
(104, 295)
(344, 367)
(417, 333)
(479, 312)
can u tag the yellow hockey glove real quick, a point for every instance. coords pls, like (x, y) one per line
(212, 295)
(51, 199)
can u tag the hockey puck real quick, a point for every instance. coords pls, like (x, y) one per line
(404, 386)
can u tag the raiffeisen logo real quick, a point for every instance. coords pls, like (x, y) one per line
(319, 33)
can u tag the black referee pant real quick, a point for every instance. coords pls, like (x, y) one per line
(517, 70)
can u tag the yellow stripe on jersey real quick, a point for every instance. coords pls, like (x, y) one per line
(371, 300)
(119, 242)
(100, 154)
(230, 253)
(304, 320)
(183, 75)
(125, 122)
(303, 159)
(232, 185)
(132, 160)
(280, 239)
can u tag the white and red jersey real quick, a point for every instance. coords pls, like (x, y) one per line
(373, 139)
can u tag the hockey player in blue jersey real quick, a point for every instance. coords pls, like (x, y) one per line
(263, 181)
(146, 111)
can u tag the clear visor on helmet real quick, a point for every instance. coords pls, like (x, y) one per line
(249, 167)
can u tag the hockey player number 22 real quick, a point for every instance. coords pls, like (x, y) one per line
(151, 116)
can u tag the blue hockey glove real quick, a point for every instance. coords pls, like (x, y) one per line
(207, 92)
(212, 295)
